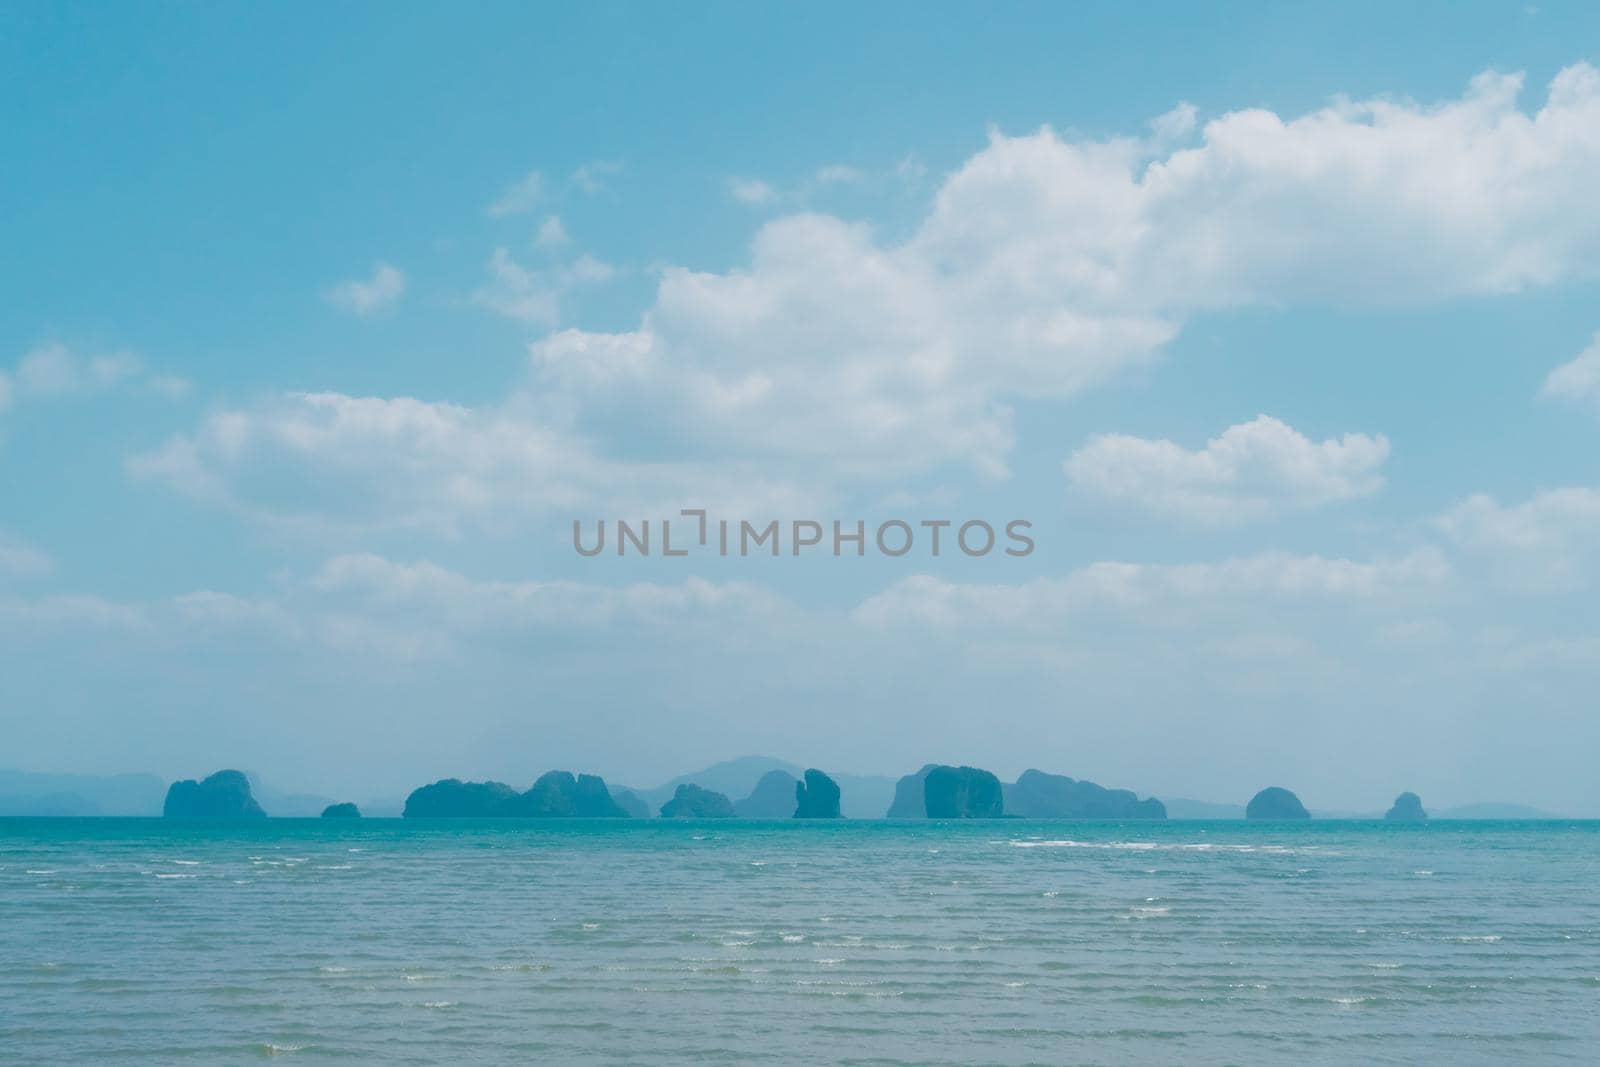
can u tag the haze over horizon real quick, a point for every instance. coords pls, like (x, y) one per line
(310, 362)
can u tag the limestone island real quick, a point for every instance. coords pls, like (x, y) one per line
(556, 795)
(943, 792)
(962, 793)
(909, 801)
(1275, 802)
(341, 811)
(772, 798)
(1037, 795)
(817, 797)
(1407, 808)
(223, 795)
(939, 791)
(692, 802)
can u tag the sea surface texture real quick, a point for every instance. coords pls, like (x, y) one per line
(382, 941)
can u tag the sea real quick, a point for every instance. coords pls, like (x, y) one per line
(852, 942)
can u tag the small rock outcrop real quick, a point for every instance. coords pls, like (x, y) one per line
(1407, 808)
(772, 798)
(1275, 802)
(224, 795)
(1037, 795)
(341, 811)
(909, 802)
(817, 797)
(692, 802)
(556, 795)
(631, 802)
(962, 793)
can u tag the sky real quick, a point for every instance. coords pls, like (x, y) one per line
(1277, 324)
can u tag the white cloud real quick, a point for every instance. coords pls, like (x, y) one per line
(830, 349)
(70, 612)
(911, 169)
(450, 599)
(1050, 264)
(590, 177)
(552, 234)
(53, 370)
(519, 292)
(751, 191)
(366, 296)
(1376, 201)
(1156, 594)
(20, 560)
(518, 198)
(1547, 542)
(327, 463)
(405, 611)
(838, 174)
(1250, 471)
(536, 296)
(1578, 380)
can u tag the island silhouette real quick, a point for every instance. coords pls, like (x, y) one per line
(768, 789)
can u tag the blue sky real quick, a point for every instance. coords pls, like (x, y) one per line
(1276, 322)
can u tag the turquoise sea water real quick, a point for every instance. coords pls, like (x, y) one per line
(128, 940)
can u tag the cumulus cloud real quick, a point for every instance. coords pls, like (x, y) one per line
(535, 296)
(1049, 264)
(519, 198)
(1375, 201)
(552, 234)
(332, 463)
(1578, 380)
(1250, 471)
(831, 349)
(54, 370)
(1546, 542)
(366, 296)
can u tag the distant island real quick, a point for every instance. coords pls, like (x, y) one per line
(692, 802)
(767, 788)
(1037, 795)
(1275, 802)
(910, 800)
(962, 793)
(817, 797)
(1407, 807)
(556, 794)
(943, 792)
(772, 798)
(223, 795)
